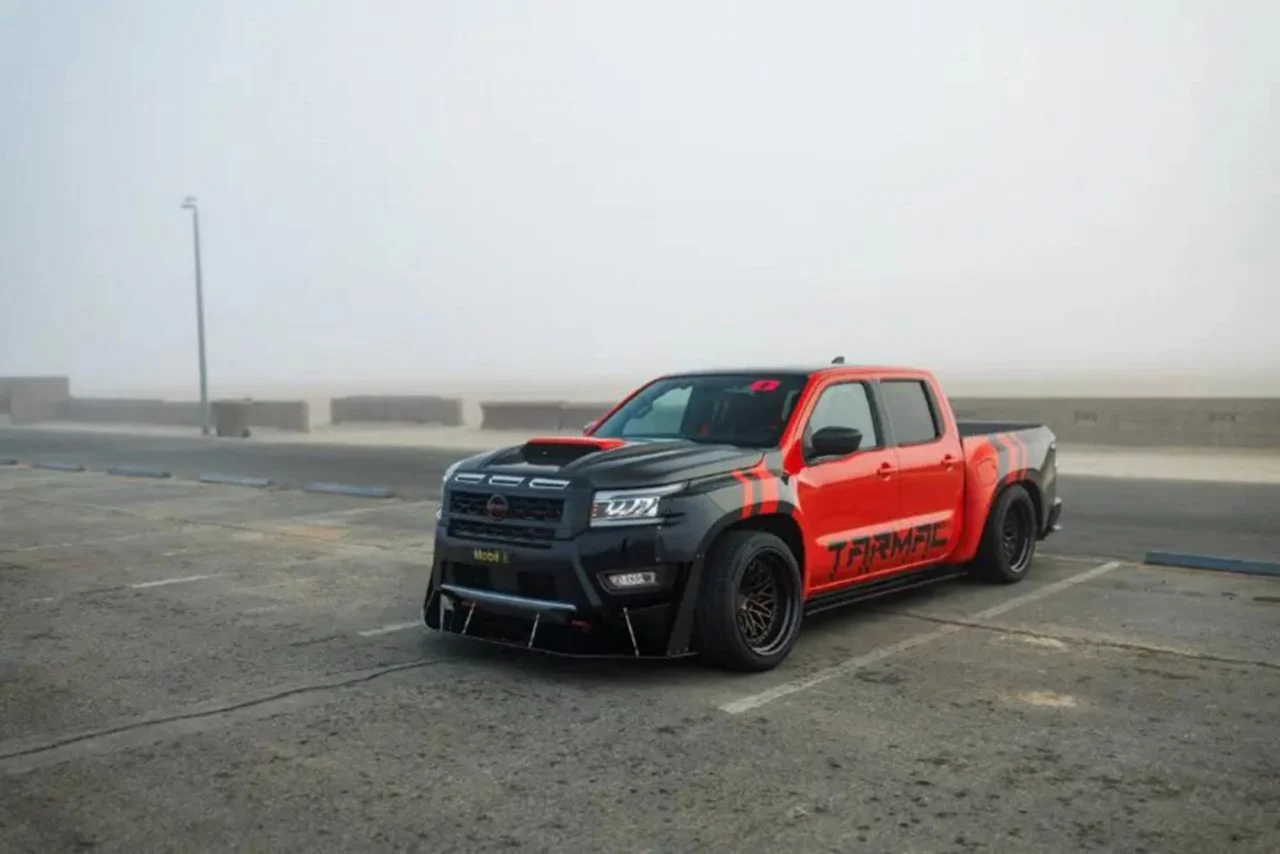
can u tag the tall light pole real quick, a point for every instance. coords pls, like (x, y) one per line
(190, 204)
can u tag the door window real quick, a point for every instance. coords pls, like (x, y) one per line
(845, 405)
(910, 412)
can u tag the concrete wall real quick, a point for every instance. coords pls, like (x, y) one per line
(291, 415)
(1133, 422)
(575, 416)
(1140, 422)
(124, 410)
(31, 399)
(520, 415)
(412, 409)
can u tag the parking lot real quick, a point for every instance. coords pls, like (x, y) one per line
(190, 666)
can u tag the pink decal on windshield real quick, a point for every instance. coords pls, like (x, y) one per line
(764, 385)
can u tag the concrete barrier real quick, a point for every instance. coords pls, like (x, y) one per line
(575, 416)
(289, 415)
(1140, 422)
(1125, 422)
(123, 410)
(407, 409)
(521, 415)
(28, 400)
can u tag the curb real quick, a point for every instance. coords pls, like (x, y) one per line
(1214, 564)
(348, 489)
(235, 480)
(136, 471)
(57, 466)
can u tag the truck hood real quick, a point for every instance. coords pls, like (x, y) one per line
(613, 463)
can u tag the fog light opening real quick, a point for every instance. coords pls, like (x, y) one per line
(635, 580)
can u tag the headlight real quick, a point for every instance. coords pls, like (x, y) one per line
(630, 506)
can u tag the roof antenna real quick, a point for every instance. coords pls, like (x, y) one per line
(838, 360)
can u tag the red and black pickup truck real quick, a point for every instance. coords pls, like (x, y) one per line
(708, 512)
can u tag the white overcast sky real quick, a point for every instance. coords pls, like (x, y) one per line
(403, 191)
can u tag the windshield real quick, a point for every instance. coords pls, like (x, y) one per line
(736, 409)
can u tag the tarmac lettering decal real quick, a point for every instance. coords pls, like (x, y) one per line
(866, 554)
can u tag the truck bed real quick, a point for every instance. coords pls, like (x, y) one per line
(986, 428)
(998, 453)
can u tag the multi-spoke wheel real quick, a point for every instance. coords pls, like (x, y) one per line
(760, 618)
(750, 605)
(1009, 538)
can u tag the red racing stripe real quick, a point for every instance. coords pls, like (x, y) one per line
(748, 502)
(768, 489)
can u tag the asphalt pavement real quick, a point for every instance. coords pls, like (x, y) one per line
(190, 667)
(1106, 517)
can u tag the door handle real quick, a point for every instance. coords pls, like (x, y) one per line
(885, 469)
(948, 461)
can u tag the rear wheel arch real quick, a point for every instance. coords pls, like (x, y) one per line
(1037, 500)
(1017, 501)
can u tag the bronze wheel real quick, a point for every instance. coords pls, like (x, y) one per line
(762, 620)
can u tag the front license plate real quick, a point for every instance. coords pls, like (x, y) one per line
(490, 556)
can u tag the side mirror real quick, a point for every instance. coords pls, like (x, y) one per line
(836, 441)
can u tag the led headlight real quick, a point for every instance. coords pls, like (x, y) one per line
(630, 506)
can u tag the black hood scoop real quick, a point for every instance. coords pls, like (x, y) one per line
(555, 451)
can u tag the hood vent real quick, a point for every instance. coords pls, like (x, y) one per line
(562, 450)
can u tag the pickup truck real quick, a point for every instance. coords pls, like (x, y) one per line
(709, 512)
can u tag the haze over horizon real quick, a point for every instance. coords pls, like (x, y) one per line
(425, 195)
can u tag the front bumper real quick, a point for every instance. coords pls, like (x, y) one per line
(552, 597)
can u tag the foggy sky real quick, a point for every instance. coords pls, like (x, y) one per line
(409, 190)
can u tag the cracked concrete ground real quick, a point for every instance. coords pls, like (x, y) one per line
(191, 667)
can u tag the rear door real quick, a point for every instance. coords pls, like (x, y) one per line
(846, 501)
(931, 471)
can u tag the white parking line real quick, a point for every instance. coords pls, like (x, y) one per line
(755, 701)
(76, 544)
(386, 630)
(165, 581)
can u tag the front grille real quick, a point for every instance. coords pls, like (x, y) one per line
(520, 508)
(526, 535)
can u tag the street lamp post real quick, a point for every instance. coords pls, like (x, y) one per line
(190, 204)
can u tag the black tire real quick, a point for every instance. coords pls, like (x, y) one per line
(737, 631)
(1008, 540)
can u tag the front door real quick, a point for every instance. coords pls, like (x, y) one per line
(847, 501)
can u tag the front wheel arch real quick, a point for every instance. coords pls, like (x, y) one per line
(722, 636)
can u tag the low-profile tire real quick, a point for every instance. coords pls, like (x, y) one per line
(751, 603)
(1008, 540)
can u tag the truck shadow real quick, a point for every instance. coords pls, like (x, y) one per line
(623, 671)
